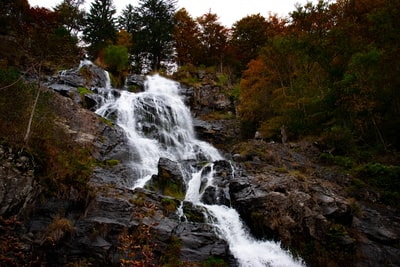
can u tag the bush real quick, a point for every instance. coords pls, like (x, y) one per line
(384, 178)
(340, 140)
(116, 58)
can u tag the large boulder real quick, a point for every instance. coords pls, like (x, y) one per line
(169, 179)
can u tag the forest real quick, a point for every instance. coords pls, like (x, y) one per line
(327, 71)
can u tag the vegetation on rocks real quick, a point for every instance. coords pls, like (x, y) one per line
(315, 96)
(60, 163)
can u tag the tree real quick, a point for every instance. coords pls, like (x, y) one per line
(126, 20)
(70, 15)
(12, 15)
(116, 60)
(213, 40)
(49, 45)
(186, 34)
(255, 94)
(49, 42)
(100, 29)
(152, 31)
(248, 35)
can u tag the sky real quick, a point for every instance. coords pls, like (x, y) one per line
(228, 11)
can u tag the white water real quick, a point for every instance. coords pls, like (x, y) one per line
(158, 124)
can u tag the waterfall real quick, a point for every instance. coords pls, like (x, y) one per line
(158, 124)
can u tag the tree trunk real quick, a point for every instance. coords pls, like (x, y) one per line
(28, 130)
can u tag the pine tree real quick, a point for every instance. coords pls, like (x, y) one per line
(152, 31)
(100, 29)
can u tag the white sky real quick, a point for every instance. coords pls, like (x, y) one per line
(228, 11)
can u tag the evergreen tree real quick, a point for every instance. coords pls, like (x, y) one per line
(152, 31)
(127, 18)
(100, 29)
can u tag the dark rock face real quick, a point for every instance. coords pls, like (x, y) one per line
(305, 206)
(18, 186)
(135, 83)
(87, 76)
(203, 101)
(221, 133)
(219, 193)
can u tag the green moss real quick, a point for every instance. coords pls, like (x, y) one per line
(214, 262)
(172, 189)
(171, 257)
(112, 162)
(222, 79)
(166, 185)
(336, 231)
(193, 214)
(83, 90)
(281, 169)
(138, 199)
(169, 204)
(133, 89)
(383, 178)
(342, 161)
(107, 121)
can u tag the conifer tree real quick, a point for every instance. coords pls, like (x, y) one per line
(100, 29)
(152, 31)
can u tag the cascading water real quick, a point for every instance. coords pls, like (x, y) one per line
(158, 124)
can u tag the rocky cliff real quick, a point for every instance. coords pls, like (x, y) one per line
(282, 192)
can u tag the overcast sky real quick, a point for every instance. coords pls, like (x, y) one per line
(228, 11)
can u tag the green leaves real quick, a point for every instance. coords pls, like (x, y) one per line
(116, 58)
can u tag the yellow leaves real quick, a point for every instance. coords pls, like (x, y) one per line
(124, 38)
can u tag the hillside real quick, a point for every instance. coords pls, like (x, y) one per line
(66, 197)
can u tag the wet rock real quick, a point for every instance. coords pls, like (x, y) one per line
(218, 192)
(135, 83)
(169, 179)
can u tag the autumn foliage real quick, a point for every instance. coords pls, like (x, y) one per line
(332, 65)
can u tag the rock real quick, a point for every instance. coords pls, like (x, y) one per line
(135, 83)
(218, 192)
(18, 186)
(221, 133)
(169, 180)
(114, 213)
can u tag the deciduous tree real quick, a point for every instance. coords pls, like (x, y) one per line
(186, 36)
(213, 39)
(248, 36)
(71, 15)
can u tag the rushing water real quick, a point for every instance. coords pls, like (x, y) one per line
(158, 124)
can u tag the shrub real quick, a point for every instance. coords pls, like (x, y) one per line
(339, 139)
(384, 178)
(59, 228)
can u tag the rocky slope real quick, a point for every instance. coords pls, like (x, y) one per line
(282, 192)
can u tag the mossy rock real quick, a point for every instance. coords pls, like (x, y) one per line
(169, 180)
(193, 213)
